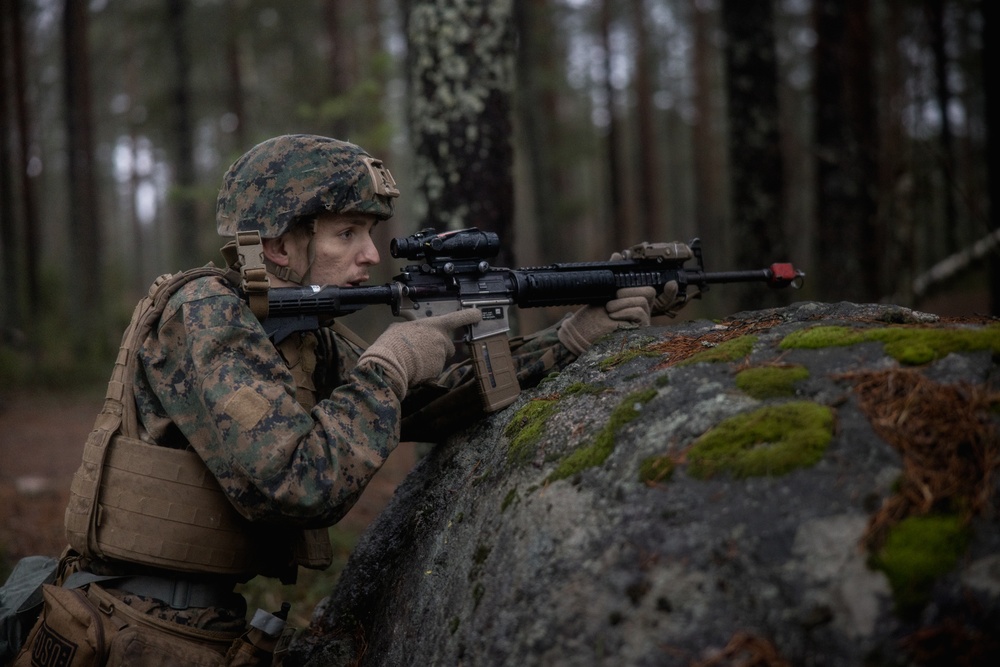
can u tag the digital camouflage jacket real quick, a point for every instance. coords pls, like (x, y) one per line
(209, 376)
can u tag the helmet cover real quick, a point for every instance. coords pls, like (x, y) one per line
(299, 175)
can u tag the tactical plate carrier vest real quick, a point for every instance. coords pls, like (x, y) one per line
(157, 506)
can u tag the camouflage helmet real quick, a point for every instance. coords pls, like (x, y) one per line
(299, 175)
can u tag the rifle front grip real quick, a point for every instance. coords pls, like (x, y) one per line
(494, 365)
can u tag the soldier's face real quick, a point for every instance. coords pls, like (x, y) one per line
(342, 250)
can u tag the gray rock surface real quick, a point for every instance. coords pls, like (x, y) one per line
(484, 558)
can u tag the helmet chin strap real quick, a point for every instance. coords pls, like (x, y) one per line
(286, 272)
(310, 253)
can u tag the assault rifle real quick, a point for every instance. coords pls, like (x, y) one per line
(451, 270)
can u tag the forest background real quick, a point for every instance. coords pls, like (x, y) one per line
(856, 138)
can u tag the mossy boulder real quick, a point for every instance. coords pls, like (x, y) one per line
(765, 490)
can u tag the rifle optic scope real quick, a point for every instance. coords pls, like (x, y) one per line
(428, 245)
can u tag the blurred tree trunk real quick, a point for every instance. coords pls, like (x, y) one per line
(142, 249)
(895, 176)
(849, 244)
(620, 222)
(31, 265)
(539, 69)
(11, 309)
(188, 228)
(235, 103)
(709, 153)
(544, 233)
(460, 64)
(756, 166)
(84, 230)
(935, 14)
(341, 59)
(351, 105)
(990, 51)
(652, 214)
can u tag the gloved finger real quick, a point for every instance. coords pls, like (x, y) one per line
(667, 303)
(616, 257)
(632, 305)
(459, 318)
(669, 294)
(647, 293)
(630, 311)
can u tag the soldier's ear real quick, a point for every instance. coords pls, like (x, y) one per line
(277, 250)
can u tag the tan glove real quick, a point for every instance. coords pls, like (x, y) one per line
(415, 351)
(667, 302)
(629, 309)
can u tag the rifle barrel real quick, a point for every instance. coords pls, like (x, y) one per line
(292, 301)
(778, 275)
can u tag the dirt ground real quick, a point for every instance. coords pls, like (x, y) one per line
(41, 440)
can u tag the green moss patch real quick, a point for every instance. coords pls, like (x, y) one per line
(771, 381)
(916, 552)
(603, 444)
(730, 350)
(525, 428)
(527, 425)
(911, 346)
(583, 388)
(773, 440)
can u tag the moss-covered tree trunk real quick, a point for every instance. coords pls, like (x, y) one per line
(460, 71)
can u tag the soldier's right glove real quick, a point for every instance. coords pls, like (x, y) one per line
(667, 303)
(412, 352)
(629, 309)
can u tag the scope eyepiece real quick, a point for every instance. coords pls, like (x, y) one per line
(429, 246)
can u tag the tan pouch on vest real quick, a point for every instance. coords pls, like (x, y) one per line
(148, 641)
(85, 628)
(71, 632)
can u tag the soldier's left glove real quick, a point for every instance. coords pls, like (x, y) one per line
(629, 309)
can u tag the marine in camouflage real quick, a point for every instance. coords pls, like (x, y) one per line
(209, 379)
